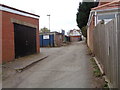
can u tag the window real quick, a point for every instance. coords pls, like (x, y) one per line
(111, 16)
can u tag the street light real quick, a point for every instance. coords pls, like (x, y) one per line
(49, 20)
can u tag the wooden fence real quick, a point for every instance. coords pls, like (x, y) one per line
(106, 47)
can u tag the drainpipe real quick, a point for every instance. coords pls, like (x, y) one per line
(95, 18)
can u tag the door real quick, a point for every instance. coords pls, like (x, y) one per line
(25, 40)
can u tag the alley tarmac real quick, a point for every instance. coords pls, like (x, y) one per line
(66, 67)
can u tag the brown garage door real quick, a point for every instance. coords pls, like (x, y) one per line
(25, 40)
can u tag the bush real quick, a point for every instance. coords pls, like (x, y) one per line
(84, 31)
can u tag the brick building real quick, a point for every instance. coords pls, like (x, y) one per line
(51, 39)
(75, 35)
(20, 33)
(106, 10)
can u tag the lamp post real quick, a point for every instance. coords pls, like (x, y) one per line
(49, 20)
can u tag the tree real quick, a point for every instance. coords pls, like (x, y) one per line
(44, 30)
(83, 14)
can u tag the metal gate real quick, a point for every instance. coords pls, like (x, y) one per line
(25, 40)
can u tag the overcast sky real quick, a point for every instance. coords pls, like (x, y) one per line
(63, 12)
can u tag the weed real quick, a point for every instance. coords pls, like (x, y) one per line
(106, 85)
(96, 71)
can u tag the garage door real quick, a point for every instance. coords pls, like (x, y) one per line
(25, 40)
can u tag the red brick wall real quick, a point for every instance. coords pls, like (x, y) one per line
(8, 53)
(74, 38)
(90, 36)
(58, 40)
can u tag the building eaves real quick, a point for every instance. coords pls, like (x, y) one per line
(16, 11)
(104, 5)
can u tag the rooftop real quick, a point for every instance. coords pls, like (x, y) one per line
(14, 10)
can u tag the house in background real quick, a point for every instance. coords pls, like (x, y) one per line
(20, 33)
(75, 35)
(104, 11)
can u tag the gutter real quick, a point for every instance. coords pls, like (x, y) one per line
(92, 12)
(107, 9)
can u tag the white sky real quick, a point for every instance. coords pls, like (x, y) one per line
(63, 12)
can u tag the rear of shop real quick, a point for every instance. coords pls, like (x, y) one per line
(47, 40)
(51, 39)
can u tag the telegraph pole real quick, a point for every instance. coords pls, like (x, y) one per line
(49, 20)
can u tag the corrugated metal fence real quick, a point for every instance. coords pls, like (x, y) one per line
(106, 43)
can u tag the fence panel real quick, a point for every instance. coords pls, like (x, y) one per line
(118, 30)
(106, 45)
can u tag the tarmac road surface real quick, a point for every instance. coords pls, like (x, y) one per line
(66, 67)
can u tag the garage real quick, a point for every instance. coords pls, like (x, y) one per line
(20, 33)
(25, 40)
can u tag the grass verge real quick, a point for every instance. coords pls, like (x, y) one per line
(96, 69)
(97, 73)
